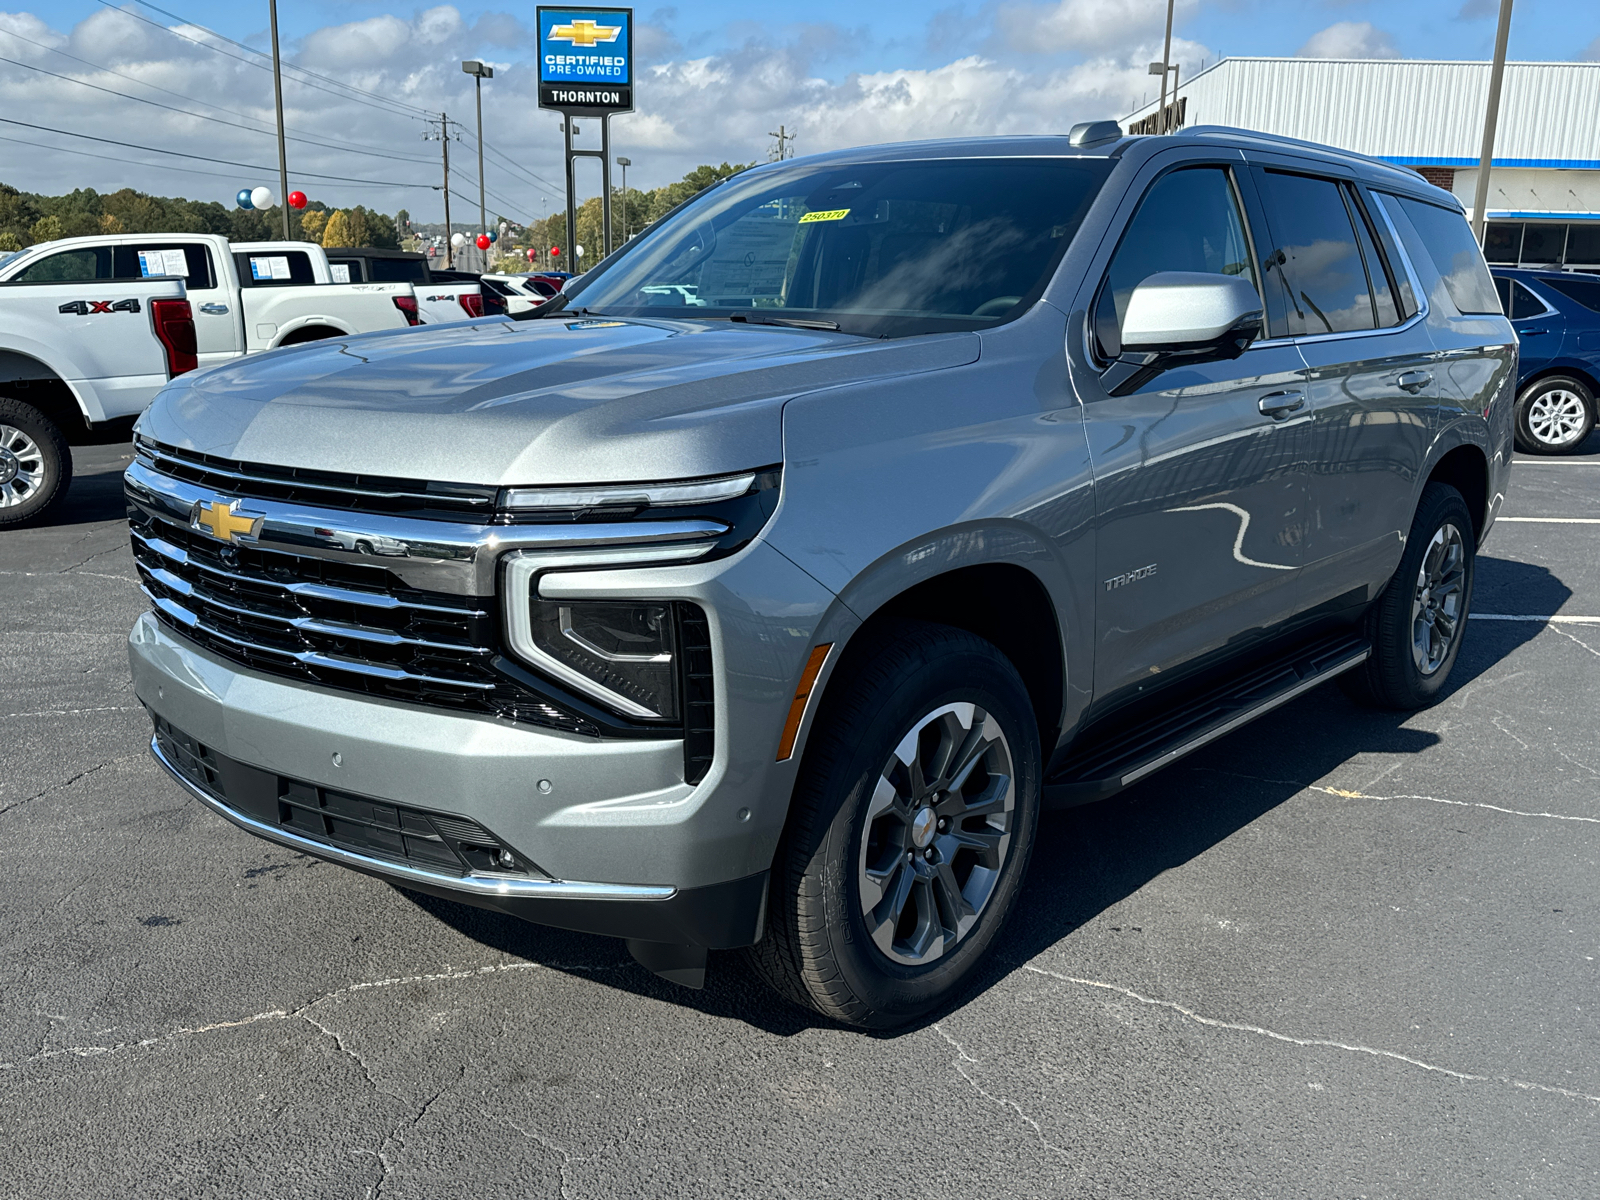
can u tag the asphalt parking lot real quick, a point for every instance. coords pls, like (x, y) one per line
(1338, 954)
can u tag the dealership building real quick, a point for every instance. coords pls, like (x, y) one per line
(1544, 185)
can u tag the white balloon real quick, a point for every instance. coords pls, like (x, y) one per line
(579, 249)
(262, 197)
(458, 240)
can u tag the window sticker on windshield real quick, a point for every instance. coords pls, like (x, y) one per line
(341, 272)
(830, 214)
(275, 267)
(163, 262)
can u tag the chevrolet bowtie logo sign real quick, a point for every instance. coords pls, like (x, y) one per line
(221, 521)
(587, 34)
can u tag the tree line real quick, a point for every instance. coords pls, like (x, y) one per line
(27, 218)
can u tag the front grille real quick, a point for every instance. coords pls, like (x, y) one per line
(437, 842)
(322, 489)
(343, 625)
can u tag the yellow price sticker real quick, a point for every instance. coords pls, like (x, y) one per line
(831, 214)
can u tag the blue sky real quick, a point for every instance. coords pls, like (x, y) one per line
(713, 81)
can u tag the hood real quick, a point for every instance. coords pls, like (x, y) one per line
(532, 402)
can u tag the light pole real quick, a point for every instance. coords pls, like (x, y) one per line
(1491, 118)
(624, 163)
(479, 73)
(277, 97)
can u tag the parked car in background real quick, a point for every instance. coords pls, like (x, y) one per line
(488, 302)
(522, 293)
(988, 474)
(440, 300)
(1557, 318)
(90, 329)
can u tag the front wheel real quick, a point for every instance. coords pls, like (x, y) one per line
(1417, 624)
(1554, 416)
(912, 823)
(35, 463)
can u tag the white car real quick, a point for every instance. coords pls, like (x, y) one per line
(522, 293)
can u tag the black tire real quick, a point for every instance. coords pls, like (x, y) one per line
(1392, 677)
(819, 951)
(30, 446)
(1564, 410)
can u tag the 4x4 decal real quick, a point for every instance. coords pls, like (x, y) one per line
(84, 308)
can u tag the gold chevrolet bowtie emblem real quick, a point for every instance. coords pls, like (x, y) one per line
(221, 522)
(584, 33)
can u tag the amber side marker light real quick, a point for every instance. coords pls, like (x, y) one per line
(797, 710)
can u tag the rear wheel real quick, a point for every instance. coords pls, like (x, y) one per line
(35, 463)
(911, 828)
(1554, 416)
(1417, 624)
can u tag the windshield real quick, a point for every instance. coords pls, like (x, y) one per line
(7, 259)
(890, 248)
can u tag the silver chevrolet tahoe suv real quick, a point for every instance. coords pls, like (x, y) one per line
(763, 593)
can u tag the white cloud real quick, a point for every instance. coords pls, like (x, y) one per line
(1349, 39)
(693, 108)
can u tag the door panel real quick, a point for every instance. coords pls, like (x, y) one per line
(1202, 514)
(1200, 493)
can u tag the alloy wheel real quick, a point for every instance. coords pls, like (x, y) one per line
(1557, 417)
(22, 467)
(1436, 610)
(937, 833)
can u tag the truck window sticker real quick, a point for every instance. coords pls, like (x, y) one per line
(274, 266)
(163, 262)
(340, 272)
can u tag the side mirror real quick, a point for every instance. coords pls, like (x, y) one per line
(1177, 317)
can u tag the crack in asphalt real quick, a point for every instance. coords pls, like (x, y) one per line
(961, 1069)
(1513, 812)
(282, 1014)
(56, 787)
(376, 1190)
(566, 1158)
(1327, 1043)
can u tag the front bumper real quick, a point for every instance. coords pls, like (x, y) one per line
(626, 847)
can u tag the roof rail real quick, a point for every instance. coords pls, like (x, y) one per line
(1280, 140)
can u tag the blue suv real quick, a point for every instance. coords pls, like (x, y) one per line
(1557, 318)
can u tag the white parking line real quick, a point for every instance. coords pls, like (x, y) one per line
(1554, 520)
(1552, 462)
(1539, 620)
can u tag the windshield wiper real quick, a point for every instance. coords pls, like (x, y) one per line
(794, 322)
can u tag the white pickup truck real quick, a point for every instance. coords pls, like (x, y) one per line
(442, 297)
(86, 339)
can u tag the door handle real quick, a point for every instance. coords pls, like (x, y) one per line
(1281, 404)
(1531, 332)
(214, 308)
(1414, 381)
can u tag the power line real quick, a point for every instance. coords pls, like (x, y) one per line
(332, 145)
(201, 116)
(109, 158)
(287, 66)
(210, 158)
(128, 12)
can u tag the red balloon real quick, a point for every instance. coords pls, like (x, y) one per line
(555, 251)
(297, 199)
(483, 241)
(532, 254)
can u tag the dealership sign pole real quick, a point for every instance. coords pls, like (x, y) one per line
(586, 70)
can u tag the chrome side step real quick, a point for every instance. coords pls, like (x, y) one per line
(1102, 768)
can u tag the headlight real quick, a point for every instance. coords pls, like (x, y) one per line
(623, 653)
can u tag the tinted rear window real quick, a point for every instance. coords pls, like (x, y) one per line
(189, 260)
(1317, 266)
(69, 266)
(268, 269)
(397, 270)
(1448, 240)
(1585, 291)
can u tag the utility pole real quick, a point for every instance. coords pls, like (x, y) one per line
(783, 137)
(444, 144)
(277, 96)
(1480, 195)
(479, 73)
(624, 163)
(1166, 66)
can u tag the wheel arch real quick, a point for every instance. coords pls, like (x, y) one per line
(32, 381)
(311, 329)
(1465, 467)
(1585, 374)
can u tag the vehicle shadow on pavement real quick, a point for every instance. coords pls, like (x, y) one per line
(96, 490)
(1088, 859)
